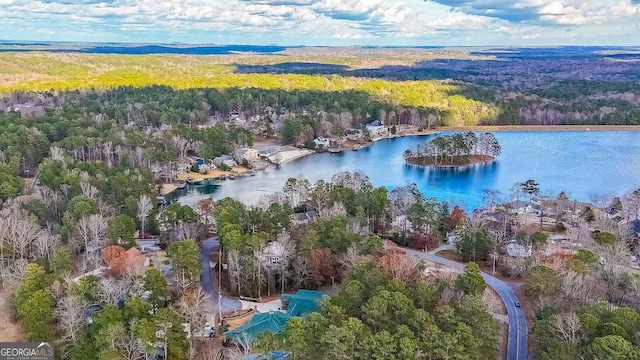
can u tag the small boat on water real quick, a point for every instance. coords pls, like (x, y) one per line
(232, 177)
(357, 147)
(181, 184)
(253, 173)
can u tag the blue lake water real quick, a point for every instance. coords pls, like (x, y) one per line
(579, 162)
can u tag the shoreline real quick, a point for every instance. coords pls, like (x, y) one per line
(543, 128)
(473, 160)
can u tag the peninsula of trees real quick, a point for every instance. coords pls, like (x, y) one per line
(458, 149)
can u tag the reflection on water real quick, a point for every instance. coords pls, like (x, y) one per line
(579, 162)
(191, 194)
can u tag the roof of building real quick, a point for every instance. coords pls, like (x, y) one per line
(635, 225)
(376, 123)
(517, 250)
(523, 204)
(273, 322)
(303, 302)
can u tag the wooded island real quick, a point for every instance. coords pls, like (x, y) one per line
(458, 149)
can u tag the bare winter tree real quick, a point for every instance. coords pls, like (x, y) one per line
(98, 229)
(301, 271)
(132, 348)
(567, 327)
(578, 289)
(193, 307)
(233, 260)
(70, 314)
(613, 270)
(83, 234)
(111, 290)
(13, 273)
(182, 145)
(57, 153)
(45, 244)
(145, 206)
(88, 190)
(631, 202)
(22, 232)
(213, 354)
(187, 231)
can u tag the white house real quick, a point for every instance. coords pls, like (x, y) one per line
(376, 128)
(272, 254)
(246, 154)
(524, 207)
(322, 142)
(518, 251)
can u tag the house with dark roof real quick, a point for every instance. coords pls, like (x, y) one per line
(634, 226)
(376, 128)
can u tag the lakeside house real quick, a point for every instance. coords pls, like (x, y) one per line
(353, 134)
(248, 154)
(524, 207)
(322, 142)
(377, 128)
(225, 159)
(304, 217)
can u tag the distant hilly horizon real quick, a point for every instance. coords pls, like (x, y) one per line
(223, 49)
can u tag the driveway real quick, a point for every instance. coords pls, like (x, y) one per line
(518, 332)
(227, 303)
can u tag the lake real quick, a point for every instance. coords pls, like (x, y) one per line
(579, 162)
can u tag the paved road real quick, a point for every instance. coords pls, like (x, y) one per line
(211, 287)
(517, 346)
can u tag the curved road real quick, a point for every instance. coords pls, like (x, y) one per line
(517, 346)
(209, 286)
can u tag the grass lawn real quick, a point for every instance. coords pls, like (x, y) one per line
(450, 254)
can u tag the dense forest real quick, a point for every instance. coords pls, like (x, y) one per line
(465, 87)
(377, 316)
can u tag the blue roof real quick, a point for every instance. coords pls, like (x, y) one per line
(273, 322)
(303, 302)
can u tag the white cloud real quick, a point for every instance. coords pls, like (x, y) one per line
(475, 22)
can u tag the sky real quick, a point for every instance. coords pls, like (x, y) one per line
(325, 22)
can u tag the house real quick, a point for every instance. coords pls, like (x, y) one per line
(302, 303)
(245, 335)
(304, 217)
(322, 142)
(517, 250)
(353, 134)
(376, 128)
(524, 207)
(272, 254)
(634, 227)
(248, 154)
(225, 159)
